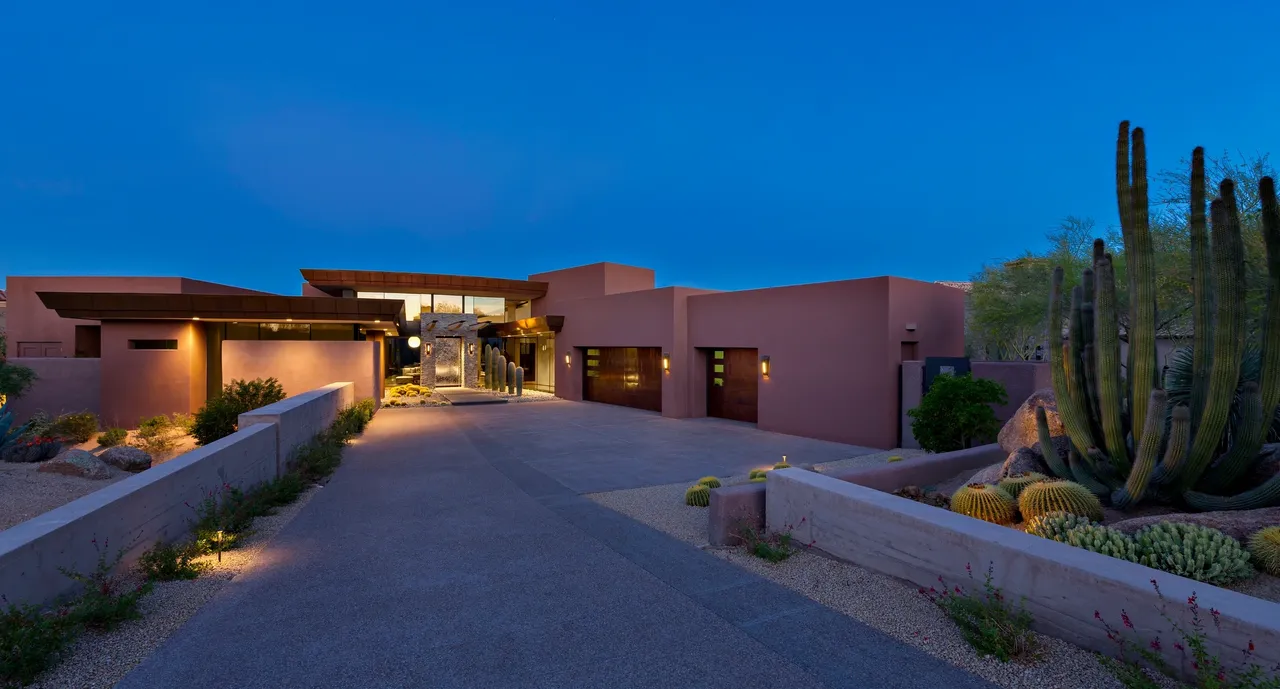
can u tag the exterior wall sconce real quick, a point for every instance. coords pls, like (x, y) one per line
(764, 366)
(428, 349)
(666, 362)
(415, 342)
(568, 359)
(471, 349)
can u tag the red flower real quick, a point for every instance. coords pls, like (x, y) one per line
(1155, 644)
(1124, 616)
(1178, 646)
(1097, 615)
(1251, 645)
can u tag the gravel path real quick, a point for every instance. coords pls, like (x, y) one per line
(888, 604)
(101, 660)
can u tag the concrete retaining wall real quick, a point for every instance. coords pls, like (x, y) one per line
(301, 417)
(1062, 585)
(133, 514)
(733, 507)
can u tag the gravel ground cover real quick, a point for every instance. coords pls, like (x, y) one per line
(528, 396)
(885, 603)
(101, 660)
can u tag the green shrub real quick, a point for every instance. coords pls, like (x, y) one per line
(217, 419)
(990, 625)
(14, 379)
(774, 547)
(106, 600)
(956, 412)
(171, 562)
(37, 426)
(31, 641)
(113, 436)
(161, 433)
(77, 428)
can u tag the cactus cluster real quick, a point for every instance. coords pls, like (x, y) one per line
(1193, 551)
(1128, 441)
(1058, 495)
(697, 495)
(709, 481)
(757, 473)
(1105, 540)
(986, 502)
(1055, 525)
(1264, 546)
(1014, 483)
(781, 465)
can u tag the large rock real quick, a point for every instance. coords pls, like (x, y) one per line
(1237, 524)
(77, 463)
(1024, 460)
(128, 458)
(1020, 430)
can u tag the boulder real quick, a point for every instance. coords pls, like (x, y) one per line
(1021, 461)
(128, 458)
(989, 474)
(77, 463)
(1020, 430)
(1239, 524)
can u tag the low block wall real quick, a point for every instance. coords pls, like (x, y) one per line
(734, 506)
(134, 513)
(63, 385)
(1062, 585)
(301, 417)
(1019, 378)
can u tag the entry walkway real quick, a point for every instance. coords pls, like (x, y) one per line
(439, 557)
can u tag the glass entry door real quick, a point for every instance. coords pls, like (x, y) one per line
(448, 355)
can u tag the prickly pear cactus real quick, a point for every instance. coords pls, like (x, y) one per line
(698, 495)
(709, 481)
(1014, 484)
(986, 502)
(1055, 525)
(1264, 546)
(1058, 495)
(1194, 551)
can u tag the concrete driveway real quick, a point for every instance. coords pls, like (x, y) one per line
(452, 549)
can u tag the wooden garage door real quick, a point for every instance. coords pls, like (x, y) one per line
(732, 384)
(626, 376)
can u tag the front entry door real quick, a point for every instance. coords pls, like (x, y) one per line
(732, 385)
(448, 355)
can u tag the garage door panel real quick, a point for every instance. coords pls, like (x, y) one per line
(625, 376)
(732, 384)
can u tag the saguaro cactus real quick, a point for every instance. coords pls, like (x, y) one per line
(502, 372)
(511, 377)
(1116, 425)
(519, 382)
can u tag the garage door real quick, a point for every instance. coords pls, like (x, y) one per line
(626, 376)
(732, 385)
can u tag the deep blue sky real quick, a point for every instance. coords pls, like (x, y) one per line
(725, 144)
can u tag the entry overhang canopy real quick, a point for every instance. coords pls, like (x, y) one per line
(423, 283)
(524, 327)
(386, 314)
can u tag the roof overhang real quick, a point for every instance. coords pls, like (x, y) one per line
(334, 281)
(387, 314)
(524, 327)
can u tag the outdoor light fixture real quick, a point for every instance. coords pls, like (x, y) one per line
(764, 366)
(471, 349)
(195, 318)
(568, 359)
(428, 349)
(415, 342)
(290, 320)
(666, 362)
(911, 327)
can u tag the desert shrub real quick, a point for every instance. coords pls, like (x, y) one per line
(956, 412)
(107, 598)
(38, 426)
(353, 420)
(31, 640)
(161, 433)
(77, 428)
(991, 625)
(14, 379)
(218, 417)
(113, 437)
(171, 562)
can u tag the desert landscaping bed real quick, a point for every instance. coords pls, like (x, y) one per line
(885, 603)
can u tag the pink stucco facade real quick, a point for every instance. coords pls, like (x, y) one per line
(303, 366)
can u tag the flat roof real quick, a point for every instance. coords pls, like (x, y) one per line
(118, 306)
(423, 283)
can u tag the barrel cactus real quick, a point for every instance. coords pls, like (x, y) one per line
(782, 465)
(1057, 495)
(1264, 546)
(698, 495)
(986, 502)
(1105, 540)
(709, 481)
(757, 473)
(1194, 551)
(1055, 525)
(760, 479)
(1130, 440)
(1014, 483)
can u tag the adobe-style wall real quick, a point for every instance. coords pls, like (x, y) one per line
(826, 343)
(30, 321)
(1019, 378)
(594, 280)
(139, 383)
(62, 386)
(304, 365)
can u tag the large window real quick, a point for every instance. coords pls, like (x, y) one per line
(448, 303)
(487, 308)
(345, 332)
(414, 304)
(284, 331)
